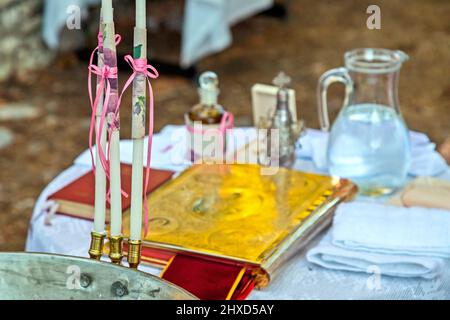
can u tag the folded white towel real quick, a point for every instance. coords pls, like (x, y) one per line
(332, 257)
(425, 160)
(405, 242)
(389, 229)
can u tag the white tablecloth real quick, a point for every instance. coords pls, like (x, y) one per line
(298, 279)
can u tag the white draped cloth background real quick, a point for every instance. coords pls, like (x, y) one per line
(56, 13)
(206, 25)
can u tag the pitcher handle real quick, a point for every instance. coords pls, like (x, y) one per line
(329, 77)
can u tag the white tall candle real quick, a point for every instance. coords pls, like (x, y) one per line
(100, 184)
(100, 176)
(138, 124)
(107, 11)
(110, 60)
(136, 190)
(140, 14)
(116, 201)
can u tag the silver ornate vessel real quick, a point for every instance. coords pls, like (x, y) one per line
(55, 277)
(282, 121)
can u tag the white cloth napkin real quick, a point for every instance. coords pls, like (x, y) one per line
(425, 160)
(404, 242)
(313, 145)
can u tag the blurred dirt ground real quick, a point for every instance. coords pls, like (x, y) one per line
(311, 41)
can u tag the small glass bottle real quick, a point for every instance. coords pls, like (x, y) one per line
(207, 111)
(204, 119)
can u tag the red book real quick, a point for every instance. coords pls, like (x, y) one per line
(209, 280)
(206, 278)
(77, 198)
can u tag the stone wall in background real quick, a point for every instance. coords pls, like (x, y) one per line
(21, 47)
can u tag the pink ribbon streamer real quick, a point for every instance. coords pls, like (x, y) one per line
(227, 122)
(104, 74)
(140, 66)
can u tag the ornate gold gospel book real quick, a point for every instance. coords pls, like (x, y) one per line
(235, 214)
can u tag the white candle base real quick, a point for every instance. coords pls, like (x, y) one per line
(115, 183)
(136, 190)
(100, 184)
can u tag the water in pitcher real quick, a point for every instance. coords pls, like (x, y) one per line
(369, 144)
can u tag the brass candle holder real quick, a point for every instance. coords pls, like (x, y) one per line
(96, 248)
(134, 253)
(116, 249)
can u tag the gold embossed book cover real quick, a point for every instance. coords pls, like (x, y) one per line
(235, 213)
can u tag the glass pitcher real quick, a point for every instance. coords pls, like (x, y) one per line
(369, 141)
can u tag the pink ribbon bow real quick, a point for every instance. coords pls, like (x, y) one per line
(140, 66)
